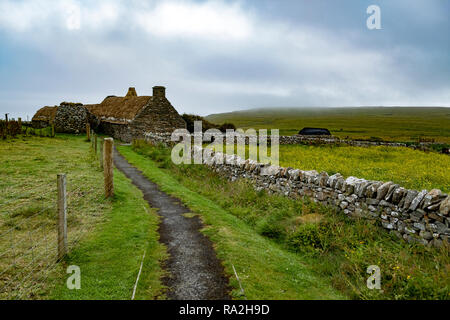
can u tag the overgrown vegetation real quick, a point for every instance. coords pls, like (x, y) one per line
(409, 168)
(9, 128)
(206, 125)
(337, 247)
(14, 129)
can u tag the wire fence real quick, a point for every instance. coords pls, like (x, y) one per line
(26, 246)
(30, 226)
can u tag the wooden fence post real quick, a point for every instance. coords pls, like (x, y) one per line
(95, 144)
(6, 127)
(88, 132)
(62, 216)
(108, 166)
(101, 153)
(53, 130)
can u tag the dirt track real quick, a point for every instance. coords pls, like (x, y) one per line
(195, 271)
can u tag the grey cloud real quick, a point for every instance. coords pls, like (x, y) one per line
(292, 53)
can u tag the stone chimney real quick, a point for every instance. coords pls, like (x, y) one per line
(131, 92)
(159, 92)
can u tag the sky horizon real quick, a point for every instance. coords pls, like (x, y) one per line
(217, 56)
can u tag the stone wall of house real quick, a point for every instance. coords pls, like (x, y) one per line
(39, 124)
(71, 118)
(159, 117)
(118, 131)
(158, 137)
(415, 216)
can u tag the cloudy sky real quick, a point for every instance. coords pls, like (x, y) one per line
(216, 56)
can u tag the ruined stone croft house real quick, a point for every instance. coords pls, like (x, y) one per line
(124, 118)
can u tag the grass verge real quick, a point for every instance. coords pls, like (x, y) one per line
(329, 245)
(266, 270)
(110, 258)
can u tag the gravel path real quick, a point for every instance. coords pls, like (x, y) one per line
(195, 271)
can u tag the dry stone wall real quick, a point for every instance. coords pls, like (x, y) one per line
(306, 140)
(71, 118)
(415, 216)
(333, 140)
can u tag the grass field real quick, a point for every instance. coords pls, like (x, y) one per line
(393, 124)
(407, 167)
(106, 238)
(281, 248)
(285, 248)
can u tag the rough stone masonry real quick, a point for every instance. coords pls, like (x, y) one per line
(415, 216)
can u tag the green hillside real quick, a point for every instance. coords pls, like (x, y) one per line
(389, 123)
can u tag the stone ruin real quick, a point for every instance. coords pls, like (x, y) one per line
(71, 118)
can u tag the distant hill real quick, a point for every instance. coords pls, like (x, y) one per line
(389, 123)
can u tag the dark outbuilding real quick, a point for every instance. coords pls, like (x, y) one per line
(314, 132)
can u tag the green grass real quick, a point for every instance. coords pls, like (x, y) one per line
(266, 269)
(109, 231)
(409, 168)
(110, 258)
(250, 226)
(393, 123)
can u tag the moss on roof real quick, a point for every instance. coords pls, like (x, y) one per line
(45, 114)
(119, 108)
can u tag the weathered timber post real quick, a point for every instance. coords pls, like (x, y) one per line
(88, 132)
(53, 130)
(6, 126)
(62, 216)
(19, 121)
(95, 144)
(108, 166)
(101, 154)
